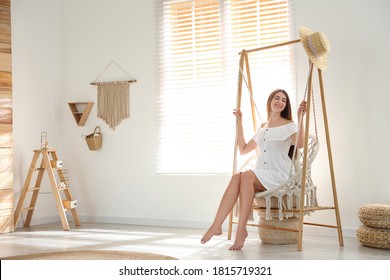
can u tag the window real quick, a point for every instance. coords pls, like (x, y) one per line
(199, 42)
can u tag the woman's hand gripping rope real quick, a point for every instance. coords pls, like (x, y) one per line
(238, 114)
(302, 109)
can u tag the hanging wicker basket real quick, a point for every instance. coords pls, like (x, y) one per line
(94, 140)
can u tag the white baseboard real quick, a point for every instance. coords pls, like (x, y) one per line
(145, 222)
(39, 221)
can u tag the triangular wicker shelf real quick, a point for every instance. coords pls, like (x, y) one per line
(80, 116)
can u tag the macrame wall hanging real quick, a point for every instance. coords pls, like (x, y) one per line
(113, 98)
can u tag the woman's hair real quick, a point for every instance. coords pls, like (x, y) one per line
(286, 113)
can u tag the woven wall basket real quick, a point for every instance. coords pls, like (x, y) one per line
(279, 237)
(94, 140)
(375, 215)
(374, 237)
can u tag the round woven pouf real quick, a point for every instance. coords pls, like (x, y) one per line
(279, 237)
(375, 215)
(375, 231)
(374, 237)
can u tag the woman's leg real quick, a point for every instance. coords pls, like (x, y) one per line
(249, 183)
(226, 205)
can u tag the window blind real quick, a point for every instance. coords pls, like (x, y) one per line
(199, 42)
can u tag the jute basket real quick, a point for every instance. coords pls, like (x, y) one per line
(94, 140)
(279, 237)
(375, 215)
(374, 237)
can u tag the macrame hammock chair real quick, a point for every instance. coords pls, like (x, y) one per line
(299, 187)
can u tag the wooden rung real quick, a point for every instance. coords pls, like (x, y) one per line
(39, 168)
(270, 227)
(27, 209)
(288, 229)
(319, 225)
(33, 189)
(278, 228)
(322, 208)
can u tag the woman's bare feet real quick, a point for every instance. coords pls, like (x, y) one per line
(241, 235)
(213, 230)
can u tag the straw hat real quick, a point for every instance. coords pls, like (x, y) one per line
(316, 46)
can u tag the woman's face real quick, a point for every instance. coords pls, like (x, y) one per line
(278, 102)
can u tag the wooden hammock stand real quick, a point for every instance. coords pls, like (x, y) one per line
(244, 61)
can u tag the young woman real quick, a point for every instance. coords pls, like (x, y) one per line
(272, 168)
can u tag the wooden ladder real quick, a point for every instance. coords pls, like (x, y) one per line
(49, 156)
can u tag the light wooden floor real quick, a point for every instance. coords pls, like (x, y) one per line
(181, 243)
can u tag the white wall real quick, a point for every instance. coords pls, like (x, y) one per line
(357, 94)
(36, 75)
(69, 44)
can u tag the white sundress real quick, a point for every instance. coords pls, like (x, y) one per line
(273, 164)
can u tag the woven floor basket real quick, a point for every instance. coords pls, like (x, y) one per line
(279, 237)
(274, 236)
(375, 215)
(374, 237)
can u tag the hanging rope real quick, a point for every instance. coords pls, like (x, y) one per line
(250, 93)
(104, 70)
(314, 113)
(294, 158)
